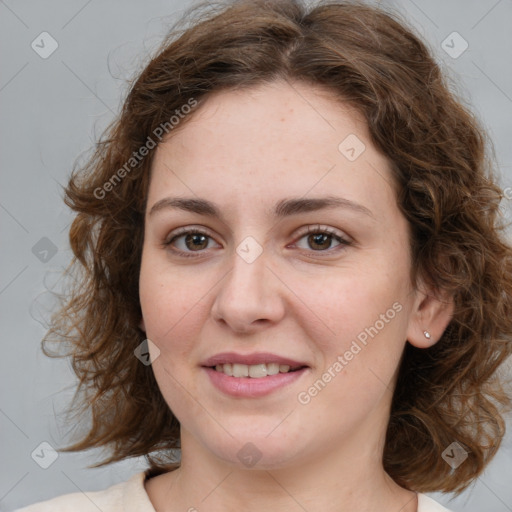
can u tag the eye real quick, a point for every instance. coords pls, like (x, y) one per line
(193, 241)
(320, 239)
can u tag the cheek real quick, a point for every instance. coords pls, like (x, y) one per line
(167, 300)
(167, 303)
(347, 303)
(361, 350)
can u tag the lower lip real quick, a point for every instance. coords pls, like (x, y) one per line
(247, 387)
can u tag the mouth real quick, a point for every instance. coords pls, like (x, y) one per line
(253, 375)
(255, 371)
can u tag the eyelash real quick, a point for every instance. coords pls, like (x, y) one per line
(310, 230)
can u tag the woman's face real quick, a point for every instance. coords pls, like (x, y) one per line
(249, 285)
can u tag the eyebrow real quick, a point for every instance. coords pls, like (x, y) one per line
(283, 208)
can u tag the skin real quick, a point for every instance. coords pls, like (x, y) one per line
(245, 151)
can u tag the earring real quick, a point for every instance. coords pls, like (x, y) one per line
(427, 335)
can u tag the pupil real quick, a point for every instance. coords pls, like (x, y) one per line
(319, 239)
(195, 238)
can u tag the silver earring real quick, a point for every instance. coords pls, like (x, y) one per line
(427, 335)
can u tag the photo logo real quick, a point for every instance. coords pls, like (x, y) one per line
(352, 147)
(454, 45)
(249, 455)
(44, 250)
(44, 45)
(454, 455)
(44, 455)
(147, 352)
(249, 249)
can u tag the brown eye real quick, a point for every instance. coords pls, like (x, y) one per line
(320, 241)
(188, 241)
(196, 241)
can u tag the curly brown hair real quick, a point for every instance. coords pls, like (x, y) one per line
(446, 189)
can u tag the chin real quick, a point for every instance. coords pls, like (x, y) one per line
(257, 456)
(256, 449)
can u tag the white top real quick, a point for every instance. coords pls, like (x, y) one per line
(131, 496)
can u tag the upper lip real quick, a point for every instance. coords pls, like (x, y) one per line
(250, 359)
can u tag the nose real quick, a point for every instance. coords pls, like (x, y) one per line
(250, 297)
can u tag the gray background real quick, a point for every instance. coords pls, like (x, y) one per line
(53, 109)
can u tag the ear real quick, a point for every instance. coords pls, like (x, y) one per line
(431, 314)
(142, 325)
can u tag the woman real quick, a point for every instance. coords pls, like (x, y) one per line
(293, 272)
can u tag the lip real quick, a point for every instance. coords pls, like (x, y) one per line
(247, 387)
(255, 358)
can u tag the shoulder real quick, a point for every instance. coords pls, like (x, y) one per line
(426, 504)
(123, 497)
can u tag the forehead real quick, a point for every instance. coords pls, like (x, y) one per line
(275, 140)
(294, 117)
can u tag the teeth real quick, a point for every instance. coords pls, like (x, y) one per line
(240, 370)
(225, 368)
(274, 368)
(255, 371)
